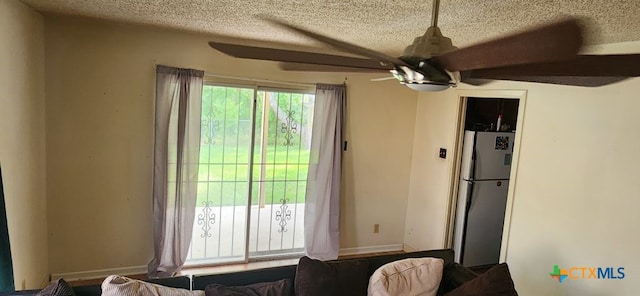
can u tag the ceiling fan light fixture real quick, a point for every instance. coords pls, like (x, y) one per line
(430, 87)
(418, 81)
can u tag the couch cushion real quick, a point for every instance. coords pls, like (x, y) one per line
(495, 281)
(413, 276)
(277, 288)
(335, 278)
(453, 276)
(377, 261)
(20, 293)
(173, 282)
(248, 277)
(115, 285)
(183, 282)
(57, 288)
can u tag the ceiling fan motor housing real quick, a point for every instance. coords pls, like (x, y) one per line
(432, 43)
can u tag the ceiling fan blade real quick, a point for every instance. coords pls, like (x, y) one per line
(329, 68)
(554, 42)
(624, 65)
(591, 81)
(338, 44)
(476, 81)
(283, 55)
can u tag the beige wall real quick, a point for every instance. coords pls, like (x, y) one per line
(435, 128)
(576, 193)
(100, 93)
(377, 164)
(22, 140)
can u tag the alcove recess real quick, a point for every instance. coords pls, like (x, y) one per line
(482, 114)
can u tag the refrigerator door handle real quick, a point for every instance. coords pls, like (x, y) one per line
(466, 217)
(474, 156)
(469, 197)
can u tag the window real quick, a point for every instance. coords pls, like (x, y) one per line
(266, 165)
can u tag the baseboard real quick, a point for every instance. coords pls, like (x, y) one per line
(99, 273)
(408, 249)
(370, 249)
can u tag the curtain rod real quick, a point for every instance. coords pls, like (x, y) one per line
(260, 80)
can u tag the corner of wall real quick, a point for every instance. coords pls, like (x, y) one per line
(22, 147)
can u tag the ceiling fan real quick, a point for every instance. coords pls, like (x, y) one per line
(545, 54)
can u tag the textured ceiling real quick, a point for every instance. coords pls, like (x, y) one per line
(383, 25)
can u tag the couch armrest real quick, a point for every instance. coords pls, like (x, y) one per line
(20, 293)
(453, 276)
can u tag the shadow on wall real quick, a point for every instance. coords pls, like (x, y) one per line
(347, 190)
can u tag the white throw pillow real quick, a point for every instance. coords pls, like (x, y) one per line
(122, 286)
(413, 276)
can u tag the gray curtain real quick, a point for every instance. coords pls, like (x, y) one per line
(176, 155)
(322, 205)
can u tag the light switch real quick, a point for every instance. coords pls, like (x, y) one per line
(443, 153)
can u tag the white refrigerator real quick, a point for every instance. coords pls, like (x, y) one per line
(482, 197)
